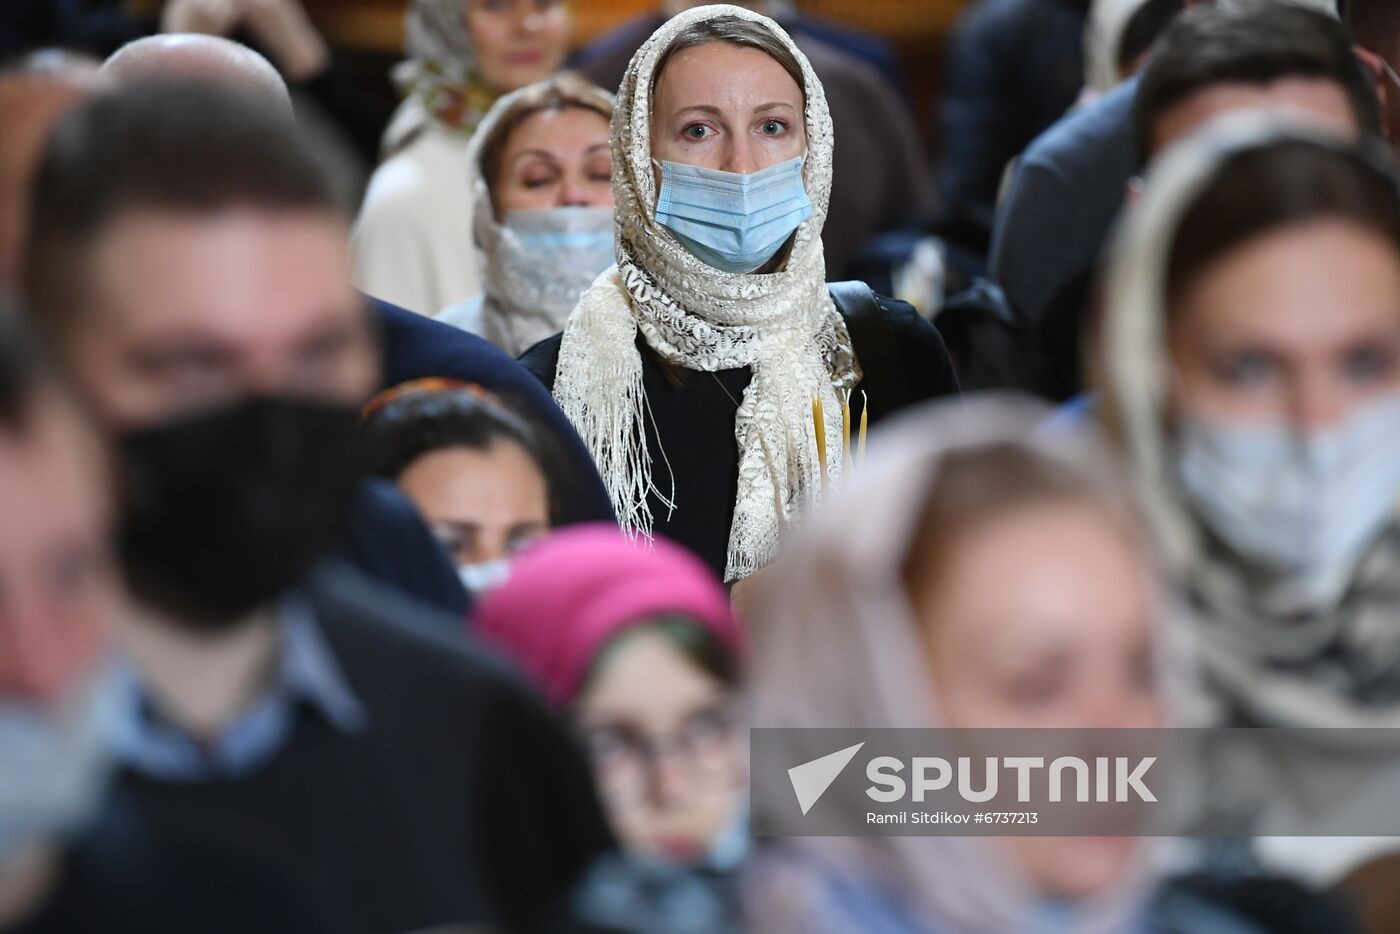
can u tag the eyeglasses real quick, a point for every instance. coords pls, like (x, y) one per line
(627, 759)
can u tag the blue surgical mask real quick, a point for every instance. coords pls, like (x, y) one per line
(53, 762)
(732, 221)
(1301, 504)
(545, 259)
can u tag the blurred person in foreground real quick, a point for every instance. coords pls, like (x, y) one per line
(1250, 368)
(60, 599)
(197, 289)
(541, 169)
(412, 347)
(414, 232)
(640, 648)
(979, 572)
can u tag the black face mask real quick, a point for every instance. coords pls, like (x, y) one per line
(225, 510)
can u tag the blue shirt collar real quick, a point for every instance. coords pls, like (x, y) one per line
(308, 676)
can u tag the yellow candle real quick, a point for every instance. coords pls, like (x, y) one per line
(819, 424)
(860, 440)
(846, 432)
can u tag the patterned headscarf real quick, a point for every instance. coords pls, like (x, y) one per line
(439, 79)
(782, 325)
(1335, 666)
(523, 303)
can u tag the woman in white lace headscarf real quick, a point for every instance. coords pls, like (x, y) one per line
(691, 368)
(417, 212)
(541, 171)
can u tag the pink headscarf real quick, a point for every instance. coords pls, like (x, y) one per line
(566, 598)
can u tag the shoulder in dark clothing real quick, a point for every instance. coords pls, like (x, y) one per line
(1013, 67)
(927, 365)
(463, 800)
(390, 542)
(925, 359)
(536, 810)
(1063, 199)
(542, 360)
(415, 346)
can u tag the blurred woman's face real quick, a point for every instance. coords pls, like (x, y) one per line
(555, 158)
(517, 42)
(727, 107)
(659, 733)
(1298, 326)
(482, 505)
(1041, 618)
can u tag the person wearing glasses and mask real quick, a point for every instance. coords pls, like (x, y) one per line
(640, 648)
(188, 263)
(692, 368)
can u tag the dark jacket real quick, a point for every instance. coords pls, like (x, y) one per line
(1013, 68)
(415, 346)
(694, 415)
(391, 543)
(1067, 190)
(462, 801)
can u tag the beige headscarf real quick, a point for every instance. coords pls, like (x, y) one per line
(782, 325)
(519, 301)
(1103, 38)
(1297, 671)
(835, 644)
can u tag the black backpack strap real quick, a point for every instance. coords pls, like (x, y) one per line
(882, 369)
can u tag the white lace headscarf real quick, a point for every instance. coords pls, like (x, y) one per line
(782, 325)
(522, 303)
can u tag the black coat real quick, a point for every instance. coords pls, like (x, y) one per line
(415, 347)
(463, 801)
(695, 412)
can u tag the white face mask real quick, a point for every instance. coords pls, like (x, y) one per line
(484, 575)
(53, 764)
(545, 259)
(1302, 505)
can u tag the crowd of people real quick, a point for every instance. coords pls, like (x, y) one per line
(417, 555)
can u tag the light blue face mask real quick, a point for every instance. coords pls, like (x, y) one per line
(484, 575)
(732, 221)
(54, 762)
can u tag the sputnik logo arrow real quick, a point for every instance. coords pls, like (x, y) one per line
(810, 780)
